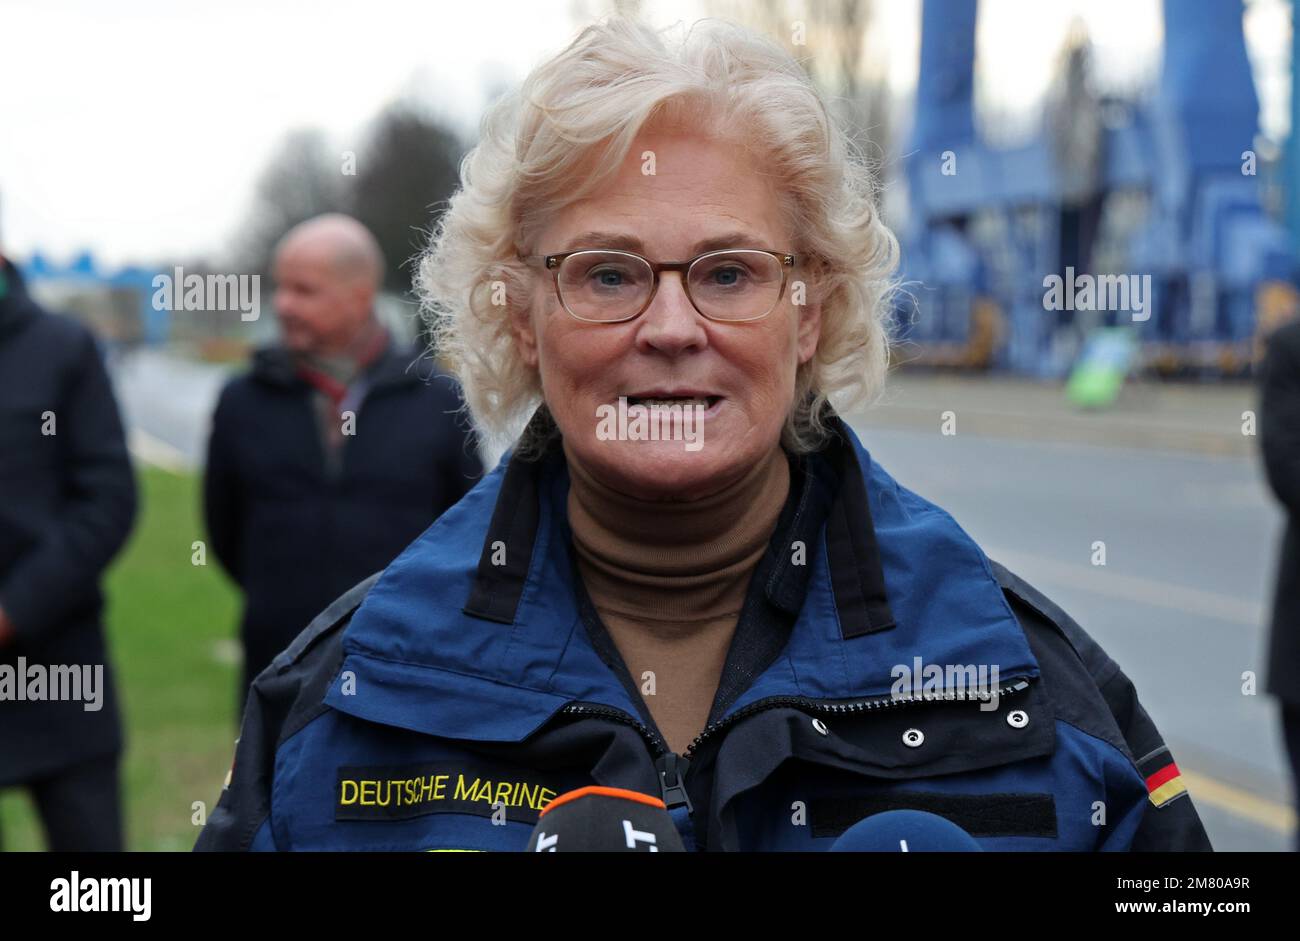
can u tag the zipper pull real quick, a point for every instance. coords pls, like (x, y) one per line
(672, 770)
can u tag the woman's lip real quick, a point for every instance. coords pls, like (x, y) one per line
(709, 412)
(657, 394)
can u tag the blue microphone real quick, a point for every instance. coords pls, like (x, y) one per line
(905, 831)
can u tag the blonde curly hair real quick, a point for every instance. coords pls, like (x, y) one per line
(567, 129)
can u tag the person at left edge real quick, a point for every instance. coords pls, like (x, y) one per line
(67, 503)
(335, 451)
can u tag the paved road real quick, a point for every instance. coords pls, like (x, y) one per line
(167, 405)
(1190, 544)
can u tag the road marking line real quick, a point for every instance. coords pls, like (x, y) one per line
(1240, 803)
(1098, 579)
(151, 450)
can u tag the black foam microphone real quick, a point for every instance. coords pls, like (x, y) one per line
(905, 831)
(605, 820)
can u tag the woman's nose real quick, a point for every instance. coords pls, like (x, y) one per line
(671, 324)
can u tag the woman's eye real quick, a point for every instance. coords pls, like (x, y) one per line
(607, 277)
(728, 276)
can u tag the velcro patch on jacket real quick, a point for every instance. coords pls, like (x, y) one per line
(977, 814)
(469, 786)
(1164, 780)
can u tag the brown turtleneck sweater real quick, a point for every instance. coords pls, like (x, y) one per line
(669, 580)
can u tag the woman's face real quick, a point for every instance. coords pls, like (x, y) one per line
(700, 190)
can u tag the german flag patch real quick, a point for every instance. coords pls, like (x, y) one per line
(1164, 780)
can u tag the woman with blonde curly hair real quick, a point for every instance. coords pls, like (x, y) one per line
(686, 585)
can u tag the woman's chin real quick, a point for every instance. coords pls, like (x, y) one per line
(666, 469)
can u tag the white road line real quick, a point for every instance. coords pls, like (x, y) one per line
(150, 450)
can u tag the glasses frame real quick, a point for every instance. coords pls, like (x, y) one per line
(552, 263)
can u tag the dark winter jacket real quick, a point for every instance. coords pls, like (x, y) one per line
(293, 534)
(67, 502)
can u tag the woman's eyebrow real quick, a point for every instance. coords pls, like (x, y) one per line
(631, 243)
(595, 239)
(729, 240)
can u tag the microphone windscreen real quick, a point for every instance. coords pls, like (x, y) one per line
(905, 831)
(605, 820)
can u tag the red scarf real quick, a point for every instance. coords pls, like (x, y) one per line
(335, 388)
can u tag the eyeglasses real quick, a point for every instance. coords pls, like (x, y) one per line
(610, 286)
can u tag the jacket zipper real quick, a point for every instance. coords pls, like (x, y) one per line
(672, 768)
(861, 705)
(669, 766)
(657, 745)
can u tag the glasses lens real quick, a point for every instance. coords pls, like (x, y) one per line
(601, 285)
(738, 285)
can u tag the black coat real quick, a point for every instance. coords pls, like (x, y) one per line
(1279, 438)
(293, 535)
(67, 501)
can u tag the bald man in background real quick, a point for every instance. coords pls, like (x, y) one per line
(334, 451)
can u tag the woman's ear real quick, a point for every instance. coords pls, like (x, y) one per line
(521, 325)
(810, 319)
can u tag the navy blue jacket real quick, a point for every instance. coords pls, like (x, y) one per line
(442, 703)
(67, 503)
(293, 535)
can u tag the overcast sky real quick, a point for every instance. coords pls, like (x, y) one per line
(136, 128)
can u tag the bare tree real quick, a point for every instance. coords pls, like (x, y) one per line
(302, 180)
(406, 168)
(828, 39)
(406, 172)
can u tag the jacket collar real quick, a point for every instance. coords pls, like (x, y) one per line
(857, 576)
(887, 578)
(397, 365)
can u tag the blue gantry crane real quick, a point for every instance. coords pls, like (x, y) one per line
(1165, 192)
